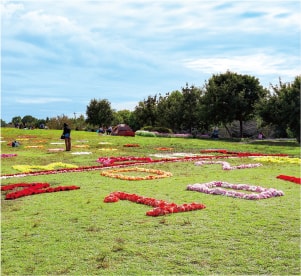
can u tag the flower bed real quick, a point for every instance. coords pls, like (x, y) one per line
(56, 150)
(47, 172)
(111, 161)
(131, 145)
(164, 149)
(115, 174)
(33, 189)
(279, 159)
(214, 188)
(226, 166)
(81, 146)
(240, 154)
(294, 179)
(8, 155)
(81, 152)
(161, 207)
(51, 166)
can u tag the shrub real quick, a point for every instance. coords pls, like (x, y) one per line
(145, 133)
(157, 129)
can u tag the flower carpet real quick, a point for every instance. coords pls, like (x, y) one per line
(215, 188)
(51, 166)
(8, 155)
(294, 179)
(33, 189)
(161, 207)
(226, 166)
(154, 174)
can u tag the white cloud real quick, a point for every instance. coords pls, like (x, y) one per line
(261, 64)
(112, 49)
(41, 100)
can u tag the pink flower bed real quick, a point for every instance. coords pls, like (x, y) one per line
(215, 188)
(226, 166)
(8, 155)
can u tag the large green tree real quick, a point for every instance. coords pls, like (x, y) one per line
(190, 107)
(231, 96)
(121, 117)
(99, 113)
(29, 121)
(17, 121)
(145, 112)
(170, 109)
(282, 107)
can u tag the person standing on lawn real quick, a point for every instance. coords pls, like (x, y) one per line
(67, 134)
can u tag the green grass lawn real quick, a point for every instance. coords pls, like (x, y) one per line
(76, 233)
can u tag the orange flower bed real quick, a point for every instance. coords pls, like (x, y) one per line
(155, 174)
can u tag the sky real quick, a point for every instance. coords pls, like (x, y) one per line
(56, 56)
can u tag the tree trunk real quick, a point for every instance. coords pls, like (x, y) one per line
(229, 132)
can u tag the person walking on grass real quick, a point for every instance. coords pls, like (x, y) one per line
(67, 135)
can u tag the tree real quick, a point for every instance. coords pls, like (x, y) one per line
(190, 107)
(282, 107)
(229, 97)
(3, 123)
(99, 113)
(17, 121)
(121, 117)
(146, 112)
(29, 121)
(170, 109)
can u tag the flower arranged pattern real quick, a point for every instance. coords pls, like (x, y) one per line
(294, 179)
(279, 160)
(66, 170)
(115, 174)
(8, 155)
(164, 149)
(56, 149)
(130, 160)
(226, 166)
(214, 188)
(33, 189)
(161, 207)
(240, 154)
(131, 145)
(51, 166)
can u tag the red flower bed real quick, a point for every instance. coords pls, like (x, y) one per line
(131, 145)
(129, 160)
(33, 189)
(161, 207)
(296, 180)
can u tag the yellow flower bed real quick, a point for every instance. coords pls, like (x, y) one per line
(279, 159)
(155, 174)
(51, 166)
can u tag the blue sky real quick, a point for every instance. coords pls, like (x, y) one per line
(58, 55)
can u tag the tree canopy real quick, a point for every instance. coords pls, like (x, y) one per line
(99, 113)
(231, 96)
(282, 107)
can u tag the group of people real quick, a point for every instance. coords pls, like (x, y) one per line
(104, 130)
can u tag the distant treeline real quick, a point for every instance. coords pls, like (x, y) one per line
(227, 101)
